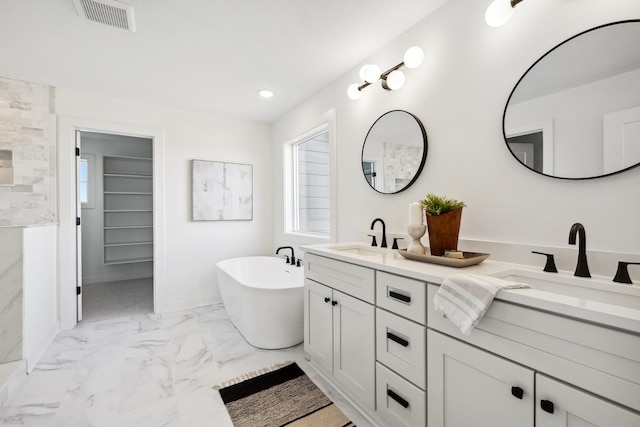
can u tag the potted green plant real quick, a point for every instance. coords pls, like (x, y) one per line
(443, 222)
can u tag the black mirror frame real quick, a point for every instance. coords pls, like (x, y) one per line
(504, 114)
(422, 161)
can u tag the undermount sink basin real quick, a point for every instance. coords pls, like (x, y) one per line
(592, 289)
(361, 250)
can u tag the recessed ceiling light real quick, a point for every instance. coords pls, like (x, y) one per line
(265, 93)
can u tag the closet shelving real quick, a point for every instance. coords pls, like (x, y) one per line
(128, 209)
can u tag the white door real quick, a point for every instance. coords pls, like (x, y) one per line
(621, 139)
(318, 318)
(560, 405)
(471, 387)
(78, 230)
(354, 347)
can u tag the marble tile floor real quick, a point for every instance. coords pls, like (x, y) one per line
(146, 370)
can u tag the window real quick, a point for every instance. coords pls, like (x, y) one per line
(307, 176)
(84, 181)
(86, 184)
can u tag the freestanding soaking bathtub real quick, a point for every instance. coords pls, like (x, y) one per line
(263, 297)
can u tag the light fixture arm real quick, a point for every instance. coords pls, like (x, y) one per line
(391, 79)
(383, 76)
(363, 85)
(390, 70)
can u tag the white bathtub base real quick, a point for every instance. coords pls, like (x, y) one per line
(268, 317)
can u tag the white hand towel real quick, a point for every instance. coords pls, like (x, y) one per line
(464, 298)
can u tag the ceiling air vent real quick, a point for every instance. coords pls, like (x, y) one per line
(107, 12)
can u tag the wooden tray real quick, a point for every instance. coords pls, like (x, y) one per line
(470, 258)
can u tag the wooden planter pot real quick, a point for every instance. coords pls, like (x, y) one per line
(443, 231)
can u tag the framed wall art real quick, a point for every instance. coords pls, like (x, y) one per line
(222, 191)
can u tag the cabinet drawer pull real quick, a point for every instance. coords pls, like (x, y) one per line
(547, 406)
(399, 296)
(401, 341)
(334, 303)
(392, 394)
(517, 392)
(327, 299)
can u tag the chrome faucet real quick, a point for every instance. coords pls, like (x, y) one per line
(582, 269)
(293, 258)
(384, 231)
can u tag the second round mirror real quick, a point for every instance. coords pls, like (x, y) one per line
(394, 152)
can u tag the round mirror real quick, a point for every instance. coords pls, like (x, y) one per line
(575, 113)
(394, 152)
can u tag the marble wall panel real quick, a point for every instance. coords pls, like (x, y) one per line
(26, 130)
(10, 294)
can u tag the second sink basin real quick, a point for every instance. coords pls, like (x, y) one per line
(593, 289)
(361, 250)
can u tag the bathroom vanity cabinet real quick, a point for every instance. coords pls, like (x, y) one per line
(520, 365)
(469, 386)
(527, 363)
(374, 354)
(338, 327)
(401, 345)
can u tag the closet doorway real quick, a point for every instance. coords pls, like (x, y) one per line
(115, 236)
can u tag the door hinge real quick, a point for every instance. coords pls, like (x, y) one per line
(78, 290)
(77, 151)
(77, 220)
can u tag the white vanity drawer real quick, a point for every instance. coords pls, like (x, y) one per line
(399, 402)
(402, 346)
(351, 279)
(401, 295)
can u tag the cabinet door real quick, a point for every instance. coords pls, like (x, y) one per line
(471, 387)
(318, 332)
(354, 347)
(560, 405)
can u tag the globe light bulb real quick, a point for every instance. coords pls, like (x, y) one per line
(353, 92)
(413, 57)
(370, 73)
(498, 13)
(395, 80)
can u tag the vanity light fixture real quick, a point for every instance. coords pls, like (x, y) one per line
(499, 12)
(392, 79)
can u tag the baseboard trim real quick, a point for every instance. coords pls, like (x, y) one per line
(113, 278)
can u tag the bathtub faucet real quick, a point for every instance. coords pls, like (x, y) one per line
(293, 258)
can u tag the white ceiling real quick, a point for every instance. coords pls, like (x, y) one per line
(202, 55)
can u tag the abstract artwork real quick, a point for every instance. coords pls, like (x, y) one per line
(222, 191)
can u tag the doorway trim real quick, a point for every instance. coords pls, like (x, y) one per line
(67, 127)
(544, 126)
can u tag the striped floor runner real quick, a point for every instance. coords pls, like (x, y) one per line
(284, 397)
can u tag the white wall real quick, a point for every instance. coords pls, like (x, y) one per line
(192, 248)
(459, 93)
(40, 291)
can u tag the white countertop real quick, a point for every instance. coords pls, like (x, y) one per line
(610, 315)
